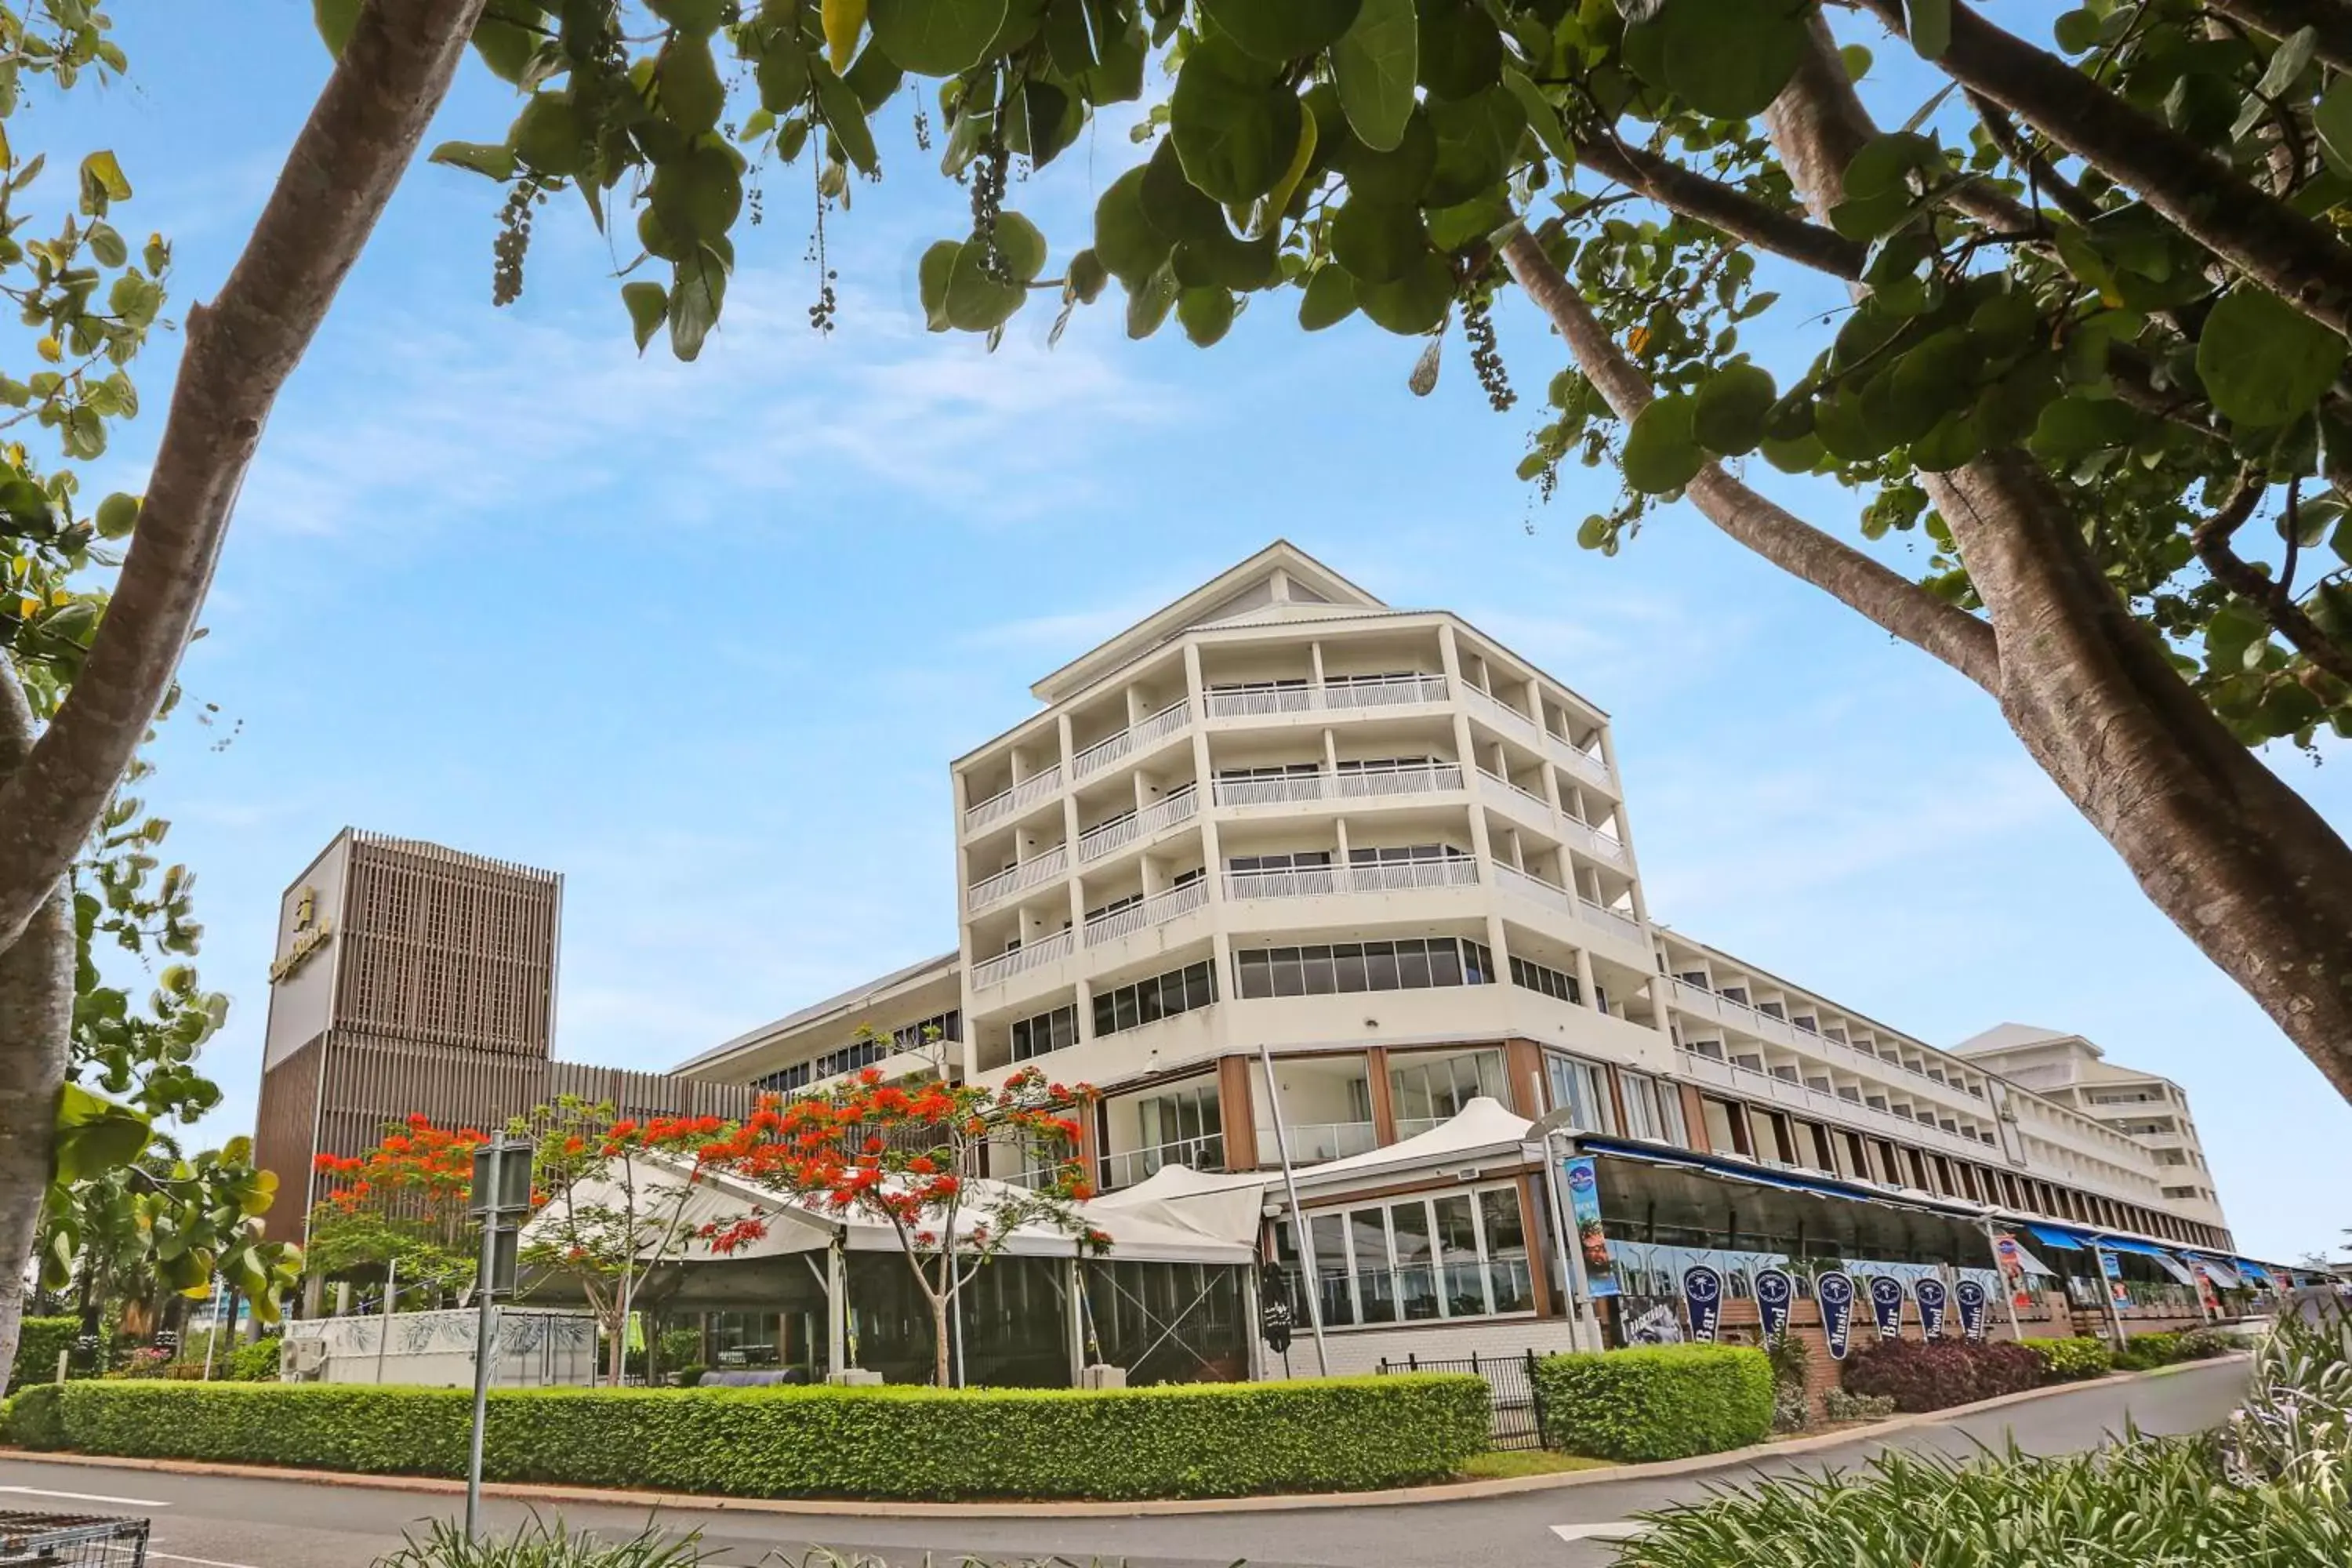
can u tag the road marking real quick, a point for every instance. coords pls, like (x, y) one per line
(1615, 1529)
(206, 1562)
(86, 1497)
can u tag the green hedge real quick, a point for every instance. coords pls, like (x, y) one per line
(38, 1341)
(1191, 1440)
(2065, 1361)
(1660, 1402)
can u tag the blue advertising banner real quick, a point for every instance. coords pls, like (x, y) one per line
(1702, 1296)
(1774, 1291)
(1933, 1298)
(1836, 1294)
(1973, 1300)
(1584, 1209)
(1887, 1306)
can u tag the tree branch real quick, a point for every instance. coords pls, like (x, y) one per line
(2329, 20)
(2064, 192)
(1735, 212)
(2273, 598)
(1884, 597)
(361, 134)
(2294, 258)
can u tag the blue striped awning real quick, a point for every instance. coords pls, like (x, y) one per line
(2057, 1235)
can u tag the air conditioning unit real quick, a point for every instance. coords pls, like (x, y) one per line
(304, 1360)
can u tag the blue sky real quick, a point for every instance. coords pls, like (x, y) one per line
(703, 637)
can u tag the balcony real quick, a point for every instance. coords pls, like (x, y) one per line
(1317, 881)
(1028, 791)
(1561, 901)
(1495, 787)
(1763, 1088)
(1054, 863)
(1098, 841)
(1389, 691)
(1005, 965)
(1313, 1142)
(1202, 1153)
(1157, 910)
(1362, 783)
(1250, 702)
(1136, 737)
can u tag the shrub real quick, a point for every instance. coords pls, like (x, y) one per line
(536, 1545)
(1190, 1440)
(2135, 1504)
(1792, 1365)
(1918, 1375)
(690, 1375)
(31, 1417)
(1658, 1402)
(1839, 1406)
(38, 1341)
(255, 1362)
(2068, 1361)
(2204, 1344)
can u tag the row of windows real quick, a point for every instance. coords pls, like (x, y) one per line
(1462, 1254)
(1054, 1031)
(1410, 963)
(1159, 996)
(1555, 984)
(865, 1052)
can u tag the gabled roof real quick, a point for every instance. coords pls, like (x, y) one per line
(857, 998)
(1242, 594)
(2016, 1036)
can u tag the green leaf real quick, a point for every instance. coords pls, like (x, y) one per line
(481, 157)
(1330, 297)
(1794, 454)
(1542, 118)
(648, 304)
(687, 86)
(875, 77)
(1280, 31)
(1461, 51)
(782, 72)
(2332, 116)
(1929, 23)
(1414, 303)
(699, 289)
(1731, 57)
(845, 116)
(1149, 305)
(978, 300)
(2263, 361)
(1234, 126)
(1475, 139)
(1662, 452)
(698, 195)
(1374, 65)
(2077, 30)
(106, 244)
(1727, 413)
(102, 181)
(117, 515)
(1856, 59)
(1087, 276)
(1401, 173)
(335, 20)
(936, 37)
(96, 1135)
(1021, 245)
(1125, 238)
(1206, 314)
(1377, 242)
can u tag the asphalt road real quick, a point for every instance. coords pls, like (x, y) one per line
(203, 1521)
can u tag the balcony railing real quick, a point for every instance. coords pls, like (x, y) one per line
(1202, 1153)
(1248, 702)
(1579, 761)
(1101, 839)
(1387, 692)
(1353, 784)
(1390, 691)
(1312, 882)
(1509, 793)
(1499, 709)
(1055, 862)
(1594, 842)
(1607, 918)
(1029, 791)
(1142, 732)
(1157, 909)
(1313, 1141)
(1005, 965)
(1548, 894)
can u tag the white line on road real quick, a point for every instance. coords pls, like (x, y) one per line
(86, 1497)
(1615, 1529)
(206, 1562)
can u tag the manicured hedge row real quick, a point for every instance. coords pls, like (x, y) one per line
(1919, 1376)
(1343, 1435)
(1661, 1401)
(2068, 1360)
(2144, 1353)
(38, 1341)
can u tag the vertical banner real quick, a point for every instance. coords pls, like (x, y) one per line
(1835, 1293)
(2206, 1296)
(1932, 1297)
(1973, 1300)
(2112, 1267)
(1887, 1306)
(2009, 1259)
(1702, 1298)
(1592, 1244)
(1774, 1291)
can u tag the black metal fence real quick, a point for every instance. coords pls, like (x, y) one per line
(72, 1540)
(1517, 1407)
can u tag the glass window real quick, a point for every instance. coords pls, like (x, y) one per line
(1331, 1262)
(1257, 967)
(1641, 1104)
(1581, 1089)
(1380, 965)
(1510, 1288)
(1322, 979)
(1348, 964)
(1415, 1274)
(1462, 1283)
(1375, 1287)
(1444, 964)
(1289, 975)
(1412, 965)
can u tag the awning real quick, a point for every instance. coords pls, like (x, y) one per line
(1786, 1181)
(2052, 1235)
(2218, 1271)
(2255, 1274)
(2126, 1244)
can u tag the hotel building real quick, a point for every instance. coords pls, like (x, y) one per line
(1282, 819)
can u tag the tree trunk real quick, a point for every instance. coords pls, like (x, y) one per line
(941, 1373)
(2239, 861)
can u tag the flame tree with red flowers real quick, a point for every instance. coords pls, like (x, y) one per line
(613, 1204)
(903, 1155)
(401, 1202)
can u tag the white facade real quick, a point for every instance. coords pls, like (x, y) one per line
(1375, 841)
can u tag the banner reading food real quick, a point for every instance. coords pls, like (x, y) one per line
(1591, 1242)
(1774, 1292)
(1933, 1299)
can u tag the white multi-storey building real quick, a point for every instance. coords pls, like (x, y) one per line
(1280, 816)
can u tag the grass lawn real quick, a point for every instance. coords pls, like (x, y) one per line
(1527, 1462)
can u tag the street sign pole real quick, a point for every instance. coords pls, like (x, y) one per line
(502, 1197)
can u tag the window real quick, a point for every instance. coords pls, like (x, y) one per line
(1918, 1171)
(1181, 1118)
(1816, 1140)
(1408, 963)
(1429, 1088)
(1398, 676)
(1159, 996)
(1555, 984)
(1581, 1088)
(1404, 854)
(1726, 1126)
(862, 1053)
(1385, 765)
(1651, 1112)
(1296, 860)
(1054, 1031)
(1112, 907)
(1451, 1255)
(1784, 1138)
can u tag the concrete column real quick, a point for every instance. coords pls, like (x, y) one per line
(1062, 732)
(1625, 827)
(1584, 978)
(1315, 664)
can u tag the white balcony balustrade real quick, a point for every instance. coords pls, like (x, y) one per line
(1102, 838)
(1607, 918)
(1548, 894)
(1348, 784)
(1313, 1142)
(999, 806)
(1273, 790)
(1005, 965)
(1125, 1170)
(1157, 909)
(1388, 691)
(1303, 697)
(1055, 862)
(1253, 701)
(1141, 734)
(1387, 877)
